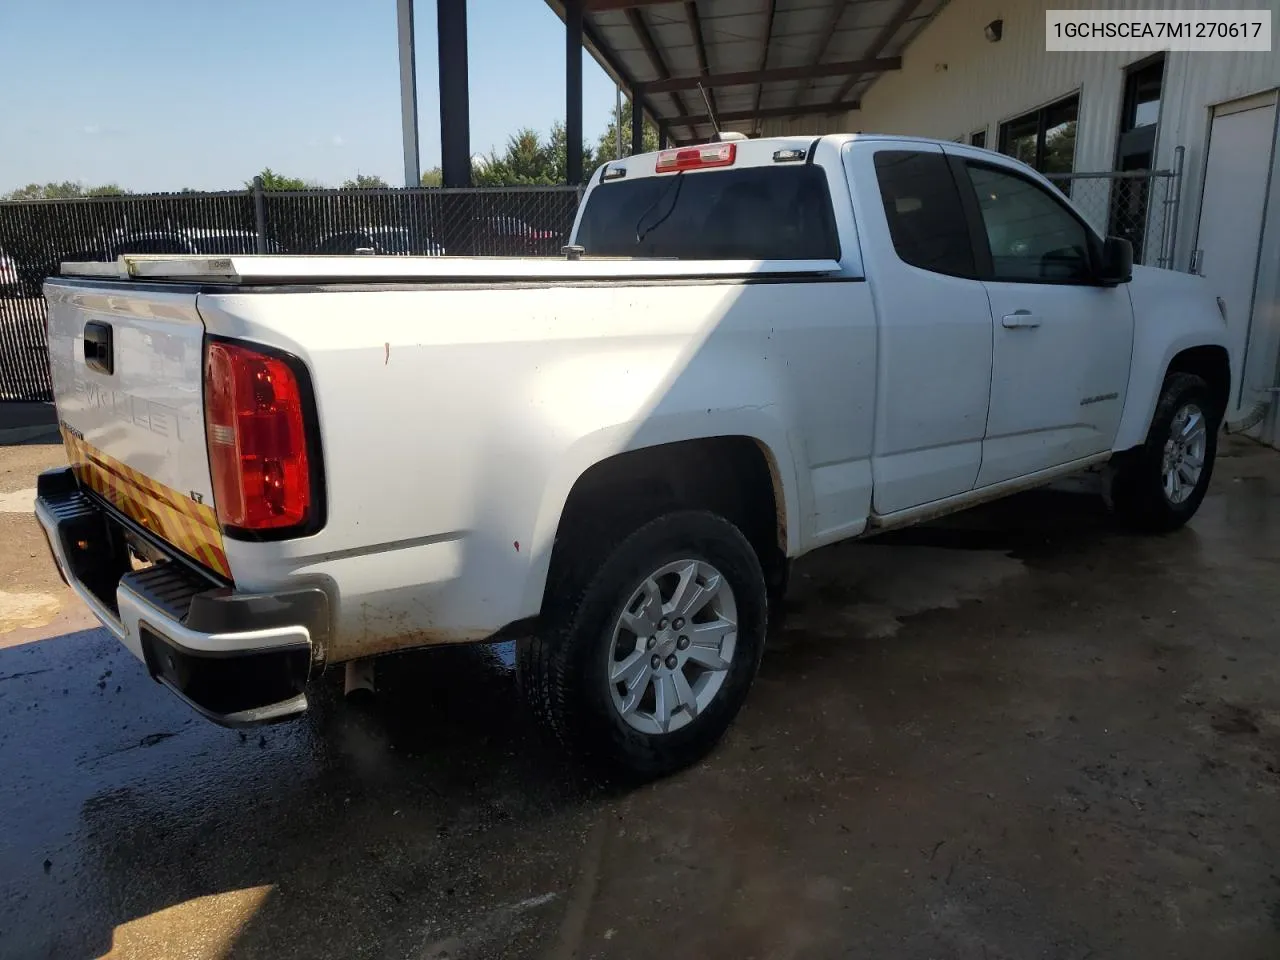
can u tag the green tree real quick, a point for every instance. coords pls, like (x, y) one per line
(558, 155)
(433, 177)
(1060, 148)
(529, 161)
(364, 181)
(276, 181)
(607, 147)
(66, 190)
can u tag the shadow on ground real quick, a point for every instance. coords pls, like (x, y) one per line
(1013, 733)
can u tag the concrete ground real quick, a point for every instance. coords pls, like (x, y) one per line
(1016, 733)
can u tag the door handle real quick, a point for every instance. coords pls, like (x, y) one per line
(98, 354)
(1020, 318)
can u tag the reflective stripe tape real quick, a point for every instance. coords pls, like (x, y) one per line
(177, 519)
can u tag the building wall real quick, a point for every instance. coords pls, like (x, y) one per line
(954, 82)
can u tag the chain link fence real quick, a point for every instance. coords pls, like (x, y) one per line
(1139, 205)
(37, 235)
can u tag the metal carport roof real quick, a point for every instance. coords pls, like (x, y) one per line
(756, 59)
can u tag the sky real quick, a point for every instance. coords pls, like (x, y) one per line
(164, 94)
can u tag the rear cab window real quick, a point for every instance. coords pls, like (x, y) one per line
(772, 212)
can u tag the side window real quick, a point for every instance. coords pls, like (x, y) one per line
(926, 220)
(1033, 237)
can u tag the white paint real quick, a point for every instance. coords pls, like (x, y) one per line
(19, 501)
(455, 421)
(149, 412)
(933, 361)
(1231, 220)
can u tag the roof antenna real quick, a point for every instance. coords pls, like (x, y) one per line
(710, 113)
(721, 136)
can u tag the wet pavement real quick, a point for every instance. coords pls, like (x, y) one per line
(1014, 733)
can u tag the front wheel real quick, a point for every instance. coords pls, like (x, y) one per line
(644, 664)
(1159, 486)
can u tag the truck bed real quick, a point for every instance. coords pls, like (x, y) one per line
(270, 270)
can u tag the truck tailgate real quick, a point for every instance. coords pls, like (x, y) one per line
(128, 372)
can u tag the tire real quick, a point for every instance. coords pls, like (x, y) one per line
(1140, 485)
(564, 671)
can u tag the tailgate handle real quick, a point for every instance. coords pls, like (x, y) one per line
(98, 354)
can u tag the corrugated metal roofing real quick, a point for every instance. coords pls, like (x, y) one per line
(641, 42)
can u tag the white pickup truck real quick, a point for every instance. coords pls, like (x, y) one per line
(753, 348)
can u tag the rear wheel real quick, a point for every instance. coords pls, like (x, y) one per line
(1159, 486)
(649, 655)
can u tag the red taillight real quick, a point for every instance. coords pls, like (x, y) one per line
(253, 415)
(696, 158)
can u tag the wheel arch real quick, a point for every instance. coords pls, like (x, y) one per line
(1212, 364)
(1203, 356)
(624, 485)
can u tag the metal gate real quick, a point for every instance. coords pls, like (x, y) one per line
(1140, 205)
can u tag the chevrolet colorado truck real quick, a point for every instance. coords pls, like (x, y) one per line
(750, 349)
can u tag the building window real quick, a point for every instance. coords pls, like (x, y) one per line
(1135, 150)
(1044, 139)
(1142, 88)
(978, 139)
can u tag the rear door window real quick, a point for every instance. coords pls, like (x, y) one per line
(756, 213)
(922, 205)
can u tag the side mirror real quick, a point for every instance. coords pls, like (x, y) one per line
(1117, 262)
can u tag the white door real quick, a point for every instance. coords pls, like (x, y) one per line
(933, 356)
(1061, 342)
(1241, 140)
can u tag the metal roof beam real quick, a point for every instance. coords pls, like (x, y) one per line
(824, 40)
(772, 113)
(604, 54)
(764, 52)
(636, 19)
(700, 47)
(601, 6)
(881, 41)
(745, 77)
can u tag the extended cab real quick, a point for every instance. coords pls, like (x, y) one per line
(751, 349)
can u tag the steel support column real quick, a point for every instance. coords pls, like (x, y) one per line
(637, 123)
(408, 92)
(664, 136)
(573, 90)
(455, 107)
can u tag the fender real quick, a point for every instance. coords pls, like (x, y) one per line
(1172, 312)
(680, 415)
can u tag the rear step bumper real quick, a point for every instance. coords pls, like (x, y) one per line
(239, 659)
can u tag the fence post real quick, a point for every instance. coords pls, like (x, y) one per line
(260, 215)
(1179, 155)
